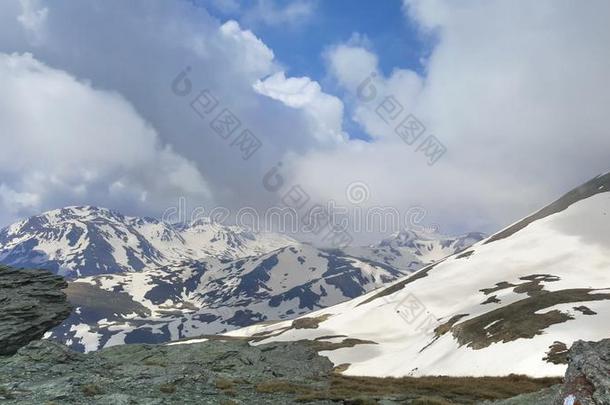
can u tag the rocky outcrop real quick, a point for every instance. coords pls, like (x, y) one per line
(31, 303)
(212, 372)
(587, 380)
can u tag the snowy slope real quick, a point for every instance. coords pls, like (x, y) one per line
(85, 241)
(509, 304)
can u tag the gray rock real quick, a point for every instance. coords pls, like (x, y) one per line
(31, 303)
(587, 380)
(213, 372)
(544, 397)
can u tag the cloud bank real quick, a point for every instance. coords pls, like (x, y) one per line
(66, 141)
(517, 92)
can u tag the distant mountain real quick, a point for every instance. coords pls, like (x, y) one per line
(512, 303)
(209, 297)
(142, 280)
(86, 241)
(408, 250)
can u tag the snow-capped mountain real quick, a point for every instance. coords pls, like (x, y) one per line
(210, 297)
(86, 241)
(512, 303)
(409, 250)
(143, 280)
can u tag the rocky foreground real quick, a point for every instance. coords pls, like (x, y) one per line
(223, 370)
(204, 373)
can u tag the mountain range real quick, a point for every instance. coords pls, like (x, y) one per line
(140, 280)
(511, 303)
(86, 241)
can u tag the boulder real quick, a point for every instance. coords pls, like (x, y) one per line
(587, 380)
(31, 303)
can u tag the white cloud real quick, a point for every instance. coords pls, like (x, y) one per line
(16, 202)
(351, 64)
(33, 18)
(253, 54)
(136, 58)
(325, 111)
(357, 70)
(67, 143)
(517, 91)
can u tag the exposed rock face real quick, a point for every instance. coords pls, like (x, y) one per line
(31, 302)
(212, 372)
(587, 380)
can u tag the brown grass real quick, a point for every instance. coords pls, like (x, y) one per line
(274, 386)
(430, 401)
(341, 368)
(521, 319)
(224, 384)
(319, 345)
(424, 390)
(154, 363)
(557, 354)
(309, 323)
(93, 297)
(5, 393)
(167, 388)
(91, 390)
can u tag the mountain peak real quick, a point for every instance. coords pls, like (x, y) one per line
(79, 212)
(88, 240)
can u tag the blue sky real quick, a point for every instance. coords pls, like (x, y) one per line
(516, 91)
(394, 38)
(379, 26)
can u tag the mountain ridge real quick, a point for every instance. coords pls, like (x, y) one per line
(140, 280)
(537, 289)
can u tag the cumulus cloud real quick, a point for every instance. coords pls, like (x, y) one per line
(251, 52)
(350, 64)
(357, 70)
(140, 55)
(68, 143)
(515, 90)
(325, 111)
